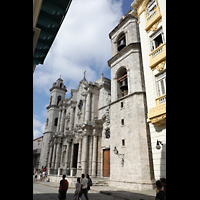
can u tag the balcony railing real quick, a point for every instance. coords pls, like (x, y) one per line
(148, 18)
(161, 99)
(153, 18)
(157, 55)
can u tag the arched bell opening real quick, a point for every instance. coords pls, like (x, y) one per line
(121, 42)
(122, 82)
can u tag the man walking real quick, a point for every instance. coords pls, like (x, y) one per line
(63, 188)
(83, 187)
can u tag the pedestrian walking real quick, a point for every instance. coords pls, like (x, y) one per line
(78, 187)
(89, 183)
(35, 179)
(43, 175)
(163, 181)
(63, 188)
(40, 176)
(83, 189)
(161, 193)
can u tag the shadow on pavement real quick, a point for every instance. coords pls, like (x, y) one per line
(105, 195)
(128, 195)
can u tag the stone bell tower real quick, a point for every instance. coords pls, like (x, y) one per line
(58, 91)
(129, 133)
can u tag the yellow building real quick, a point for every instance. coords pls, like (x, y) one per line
(151, 16)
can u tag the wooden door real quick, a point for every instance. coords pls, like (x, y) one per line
(106, 162)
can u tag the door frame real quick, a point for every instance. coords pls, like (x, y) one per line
(105, 149)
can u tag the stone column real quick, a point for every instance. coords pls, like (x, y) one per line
(99, 155)
(84, 107)
(72, 155)
(87, 112)
(72, 118)
(79, 167)
(79, 153)
(65, 122)
(57, 153)
(50, 155)
(94, 155)
(67, 156)
(90, 145)
(84, 153)
(92, 107)
(62, 119)
(59, 115)
(54, 154)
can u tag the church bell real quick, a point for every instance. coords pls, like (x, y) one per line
(122, 44)
(124, 85)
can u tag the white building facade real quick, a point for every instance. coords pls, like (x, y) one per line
(151, 16)
(102, 128)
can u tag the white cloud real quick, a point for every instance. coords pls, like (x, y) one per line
(38, 127)
(82, 43)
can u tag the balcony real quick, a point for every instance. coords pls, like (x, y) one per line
(153, 18)
(157, 114)
(157, 55)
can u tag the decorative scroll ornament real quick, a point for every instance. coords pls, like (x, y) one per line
(160, 66)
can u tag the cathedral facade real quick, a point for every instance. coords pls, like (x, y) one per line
(101, 130)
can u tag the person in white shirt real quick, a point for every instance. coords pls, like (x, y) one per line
(83, 189)
(43, 175)
(78, 187)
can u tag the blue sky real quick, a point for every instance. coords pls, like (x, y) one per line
(82, 43)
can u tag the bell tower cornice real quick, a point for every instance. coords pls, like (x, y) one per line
(59, 85)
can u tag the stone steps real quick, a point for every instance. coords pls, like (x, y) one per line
(100, 181)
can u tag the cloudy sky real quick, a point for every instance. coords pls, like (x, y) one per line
(82, 43)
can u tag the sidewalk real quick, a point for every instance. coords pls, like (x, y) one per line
(123, 194)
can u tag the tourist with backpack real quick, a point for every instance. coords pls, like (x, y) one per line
(83, 189)
(89, 183)
(63, 188)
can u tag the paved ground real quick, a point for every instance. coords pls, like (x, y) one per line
(49, 191)
(45, 192)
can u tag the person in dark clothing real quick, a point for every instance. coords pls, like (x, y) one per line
(63, 188)
(163, 181)
(161, 195)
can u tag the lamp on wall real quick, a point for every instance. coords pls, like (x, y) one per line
(158, 144)
(119, 154)
(115, 150)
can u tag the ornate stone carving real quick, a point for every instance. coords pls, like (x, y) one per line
(161, 65)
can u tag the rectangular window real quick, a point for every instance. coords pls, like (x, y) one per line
(157, 39)
(122, 121)
(122, 104)
(123, 142)
(161, 83)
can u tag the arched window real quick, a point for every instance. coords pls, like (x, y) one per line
(80, 105)
(107, 133)
(59, 99)
(61, 85)
(122, 82)
(56, 122)
(121, 42)
(151, 6)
